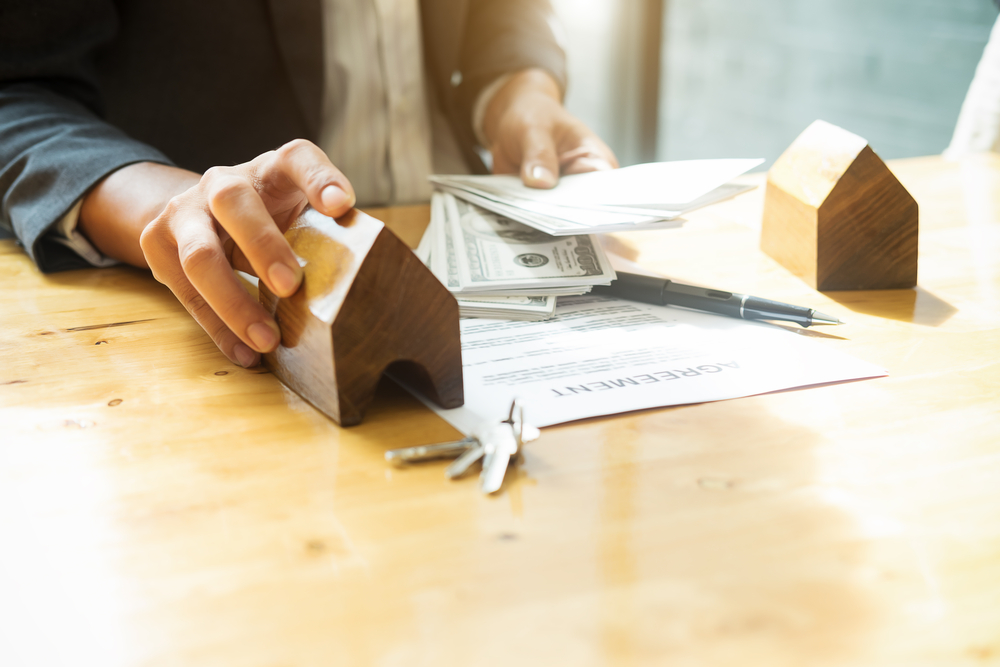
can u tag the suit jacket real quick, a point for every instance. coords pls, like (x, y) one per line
(89, 86)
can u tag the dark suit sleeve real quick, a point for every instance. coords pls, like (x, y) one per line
(54, 146)
(499, 37)
(503, 36)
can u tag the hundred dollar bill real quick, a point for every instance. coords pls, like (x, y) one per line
(560, 220)
(496, 253)
(443, 263)
(507, 307)
(423, 249)
(438, 239)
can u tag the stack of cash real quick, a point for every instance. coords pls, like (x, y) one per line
(499, 268)
(643, 196)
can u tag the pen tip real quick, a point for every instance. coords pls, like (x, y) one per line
(822, 318)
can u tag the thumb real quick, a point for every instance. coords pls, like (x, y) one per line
(540, 165)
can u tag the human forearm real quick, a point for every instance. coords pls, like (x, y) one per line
(117, 210)
(534, 82)
(504, 37)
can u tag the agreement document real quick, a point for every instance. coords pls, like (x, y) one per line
(602, 356)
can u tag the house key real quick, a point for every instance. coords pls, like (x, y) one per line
(495, 443)
(445, 450)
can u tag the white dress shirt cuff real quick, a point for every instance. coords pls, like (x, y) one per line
(65, 232)
(479, 108)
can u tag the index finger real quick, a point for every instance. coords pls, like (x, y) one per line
(238, 207)
(308, 169)
(539, 164)
(583, 159)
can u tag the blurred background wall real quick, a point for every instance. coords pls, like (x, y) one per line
(682, 79)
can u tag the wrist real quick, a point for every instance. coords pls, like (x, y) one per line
(521, 86)
(115, 212)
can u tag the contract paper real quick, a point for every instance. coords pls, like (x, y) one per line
(654, 184)
(643, 196)
(602, 356)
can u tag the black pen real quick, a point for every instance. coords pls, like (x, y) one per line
(665, 292)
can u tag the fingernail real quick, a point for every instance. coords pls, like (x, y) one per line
(265, 336)
(584, 164)
(543, 176)
(283, 278)
(335, 199)
(244, 355)
(596, 163)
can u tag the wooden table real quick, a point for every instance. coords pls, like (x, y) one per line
(160, 506)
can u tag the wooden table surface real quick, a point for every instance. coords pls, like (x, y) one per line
(160, 506)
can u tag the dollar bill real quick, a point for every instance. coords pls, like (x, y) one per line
(507, 307)
(496, 253)
(437, 250)
(444, 263)
(631, 198)
(559, 220)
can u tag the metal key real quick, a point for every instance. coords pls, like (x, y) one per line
(500, 445)
(523, 432)
(486, 435)
(445, 450)
(465, 461)
(495, 443)
(503, 443)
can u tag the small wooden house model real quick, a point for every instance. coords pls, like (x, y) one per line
(366, 304)
(837, 217)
